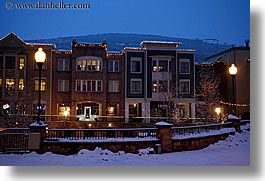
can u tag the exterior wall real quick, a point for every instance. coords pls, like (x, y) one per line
(240, 56)
(13, 46)
(145, 101)
(59, 97)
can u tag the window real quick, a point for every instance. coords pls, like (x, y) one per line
(184, 86)
(113, 86)
(21, 63)
(155, 86)
(88, 85)
(136, 85)
(113, 66)
(63, 110)
(160, 86)
(163, 85)
(63, 85)
(160, 65)
(21, 85)
(10, 84)
(78, 85)
(63, 65)
(184, 66)
(42, 84)
(136, 65)
(90, 65)
(78, 64)
(10, 62)
(1, 62)
(1, 83)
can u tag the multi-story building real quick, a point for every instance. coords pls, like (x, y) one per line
(159, 82)
(88, 83)
(220, 62)
(19, 77)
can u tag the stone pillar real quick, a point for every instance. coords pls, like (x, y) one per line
(164, 134)
(37, 133)
(236, 124)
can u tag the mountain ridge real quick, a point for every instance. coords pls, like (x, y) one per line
(118, 41)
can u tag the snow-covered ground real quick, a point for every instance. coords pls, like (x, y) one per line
(234, 151)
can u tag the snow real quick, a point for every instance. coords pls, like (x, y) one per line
(234, 151)
(204, 134)
(36, 124)
(231, 116)
(162, 123)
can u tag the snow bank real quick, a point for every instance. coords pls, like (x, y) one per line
(231, 116)
(234, 151)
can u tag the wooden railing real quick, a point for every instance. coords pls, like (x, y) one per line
(79, 134)
(199, 129)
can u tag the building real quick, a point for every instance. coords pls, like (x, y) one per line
(19, 78)
(240, 56)
(159, 82)
(90, 83)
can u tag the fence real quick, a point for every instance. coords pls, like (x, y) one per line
(81, 134)
(14, 140)
(199, 129)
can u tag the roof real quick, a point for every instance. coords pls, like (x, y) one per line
(226, 51)
(160, 43)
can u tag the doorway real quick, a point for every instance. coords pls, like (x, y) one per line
(87, 113)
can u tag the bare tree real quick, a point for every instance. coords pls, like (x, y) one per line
(207, 91)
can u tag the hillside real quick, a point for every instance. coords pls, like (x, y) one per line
(117, 41)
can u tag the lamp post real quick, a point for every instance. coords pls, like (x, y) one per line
(233, 72)
(40, 57)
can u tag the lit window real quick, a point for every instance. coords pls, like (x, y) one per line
(160, 65)
(21, 63)
(184, 66)
(21, 85)
(10, 84)
(90, 65)
(42, 84)
(78, 64)
(154, 86)
(63, 110)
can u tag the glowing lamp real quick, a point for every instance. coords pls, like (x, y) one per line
(40, 56)
(233, 70)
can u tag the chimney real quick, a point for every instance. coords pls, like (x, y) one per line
(74, 42)
(247, 43)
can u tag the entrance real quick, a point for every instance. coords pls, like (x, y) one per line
(87, 113)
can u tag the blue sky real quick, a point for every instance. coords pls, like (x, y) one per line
(225, 20)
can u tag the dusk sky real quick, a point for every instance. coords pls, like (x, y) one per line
(225, 20)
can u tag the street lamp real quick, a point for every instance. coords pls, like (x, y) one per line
(233, 72)
(40, 57)
(218, 111)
